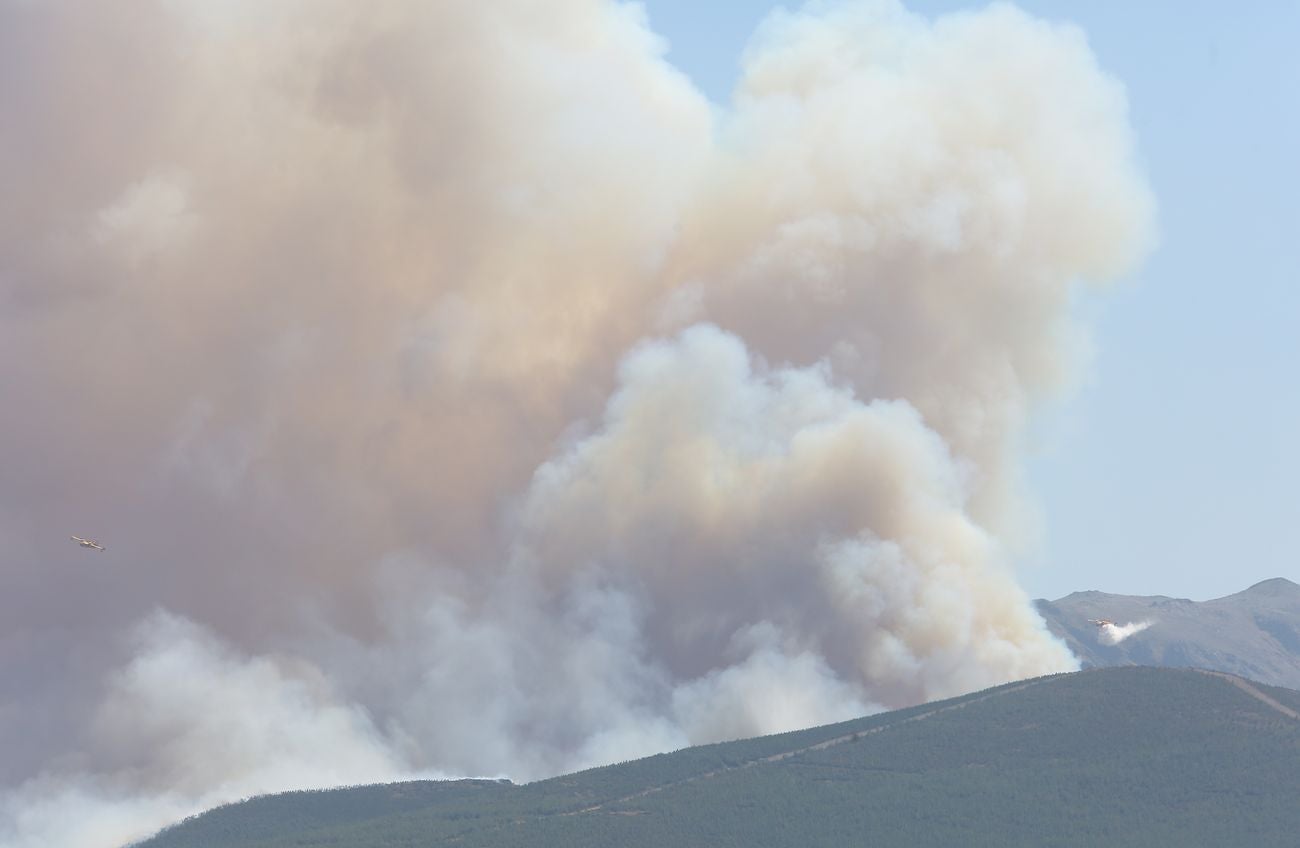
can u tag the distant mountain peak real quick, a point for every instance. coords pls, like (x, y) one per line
(1274, 587)
(1098, 596)
(1086, 594)
(1254, 633)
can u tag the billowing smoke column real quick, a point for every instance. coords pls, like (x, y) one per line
(458, 392)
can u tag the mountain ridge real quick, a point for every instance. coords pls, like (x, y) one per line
(1254, 633)
(1126, 755)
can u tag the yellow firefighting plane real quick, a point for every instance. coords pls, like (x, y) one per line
(89, 543)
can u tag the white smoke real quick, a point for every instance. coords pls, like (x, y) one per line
(1113, 634)
(474, 398)
(187, 725)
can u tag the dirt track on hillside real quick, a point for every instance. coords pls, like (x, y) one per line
(1246, 686)
(819, 746)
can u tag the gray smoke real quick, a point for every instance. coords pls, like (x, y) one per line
(458, 392)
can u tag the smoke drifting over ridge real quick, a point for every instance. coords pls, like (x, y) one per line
(458, 393)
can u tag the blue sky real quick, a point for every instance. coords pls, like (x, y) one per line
(1175, 468)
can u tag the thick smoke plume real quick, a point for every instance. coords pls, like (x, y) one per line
(457, 391)
(1113, 634)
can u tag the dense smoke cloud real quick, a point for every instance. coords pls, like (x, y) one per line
(458, 392)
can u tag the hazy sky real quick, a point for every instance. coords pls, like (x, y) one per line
(1174, 469)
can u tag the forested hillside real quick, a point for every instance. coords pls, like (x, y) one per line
(1123, 756)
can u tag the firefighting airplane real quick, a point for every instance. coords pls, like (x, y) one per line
(1101, 622)
(89, 543)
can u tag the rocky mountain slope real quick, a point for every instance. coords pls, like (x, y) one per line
(1254, 633)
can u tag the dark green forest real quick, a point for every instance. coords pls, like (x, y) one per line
(1120, 756)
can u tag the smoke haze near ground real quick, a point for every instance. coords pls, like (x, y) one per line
(457, 392)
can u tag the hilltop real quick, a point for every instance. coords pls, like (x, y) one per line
(1254, 633)
(1128, 756)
